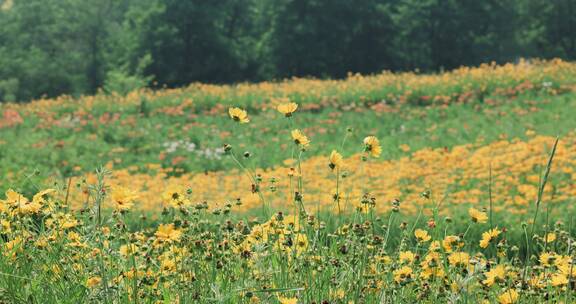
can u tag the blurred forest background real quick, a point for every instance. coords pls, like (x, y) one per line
(54, 47)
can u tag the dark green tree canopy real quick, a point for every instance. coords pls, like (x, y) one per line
(54, 47)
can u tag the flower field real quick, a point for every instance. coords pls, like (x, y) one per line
(393, 188)
(457, 177)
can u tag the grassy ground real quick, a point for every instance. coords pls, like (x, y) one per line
(195, 144)
(191, 253)
(468, 202)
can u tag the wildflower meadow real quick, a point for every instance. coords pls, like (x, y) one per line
(455, 187)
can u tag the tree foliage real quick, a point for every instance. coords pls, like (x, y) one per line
(54, 47)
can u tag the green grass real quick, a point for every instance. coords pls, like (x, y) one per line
(33, 153)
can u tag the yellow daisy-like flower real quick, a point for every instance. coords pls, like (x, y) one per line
(126, 250)
(20, 203)
(14, 198)
(287, 108)
(167, 266)
(478, 216)
(403, 274)
(509, 296)
(123, 198)
(41, 196)
(565, 266)
(422, 235)
(337, 294)
(459, 259)
(93, 282)
(550, 237)
(450, 241)
(5, 226)
(301, 243)
(238, 115)
(496, 274)
(167, 233)
(284, 300)
(559, 279)
(547, 259)
(68, 222)
(372, 146)
(336, 160)
(434, 246)
(538, 282)
(407, 257)
(300, 139)
(488, 236)
(174, 197)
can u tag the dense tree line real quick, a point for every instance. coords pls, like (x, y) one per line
(53, 47)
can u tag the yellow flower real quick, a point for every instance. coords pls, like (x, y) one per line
(428, 272)
(68, 222)
(559, 279)
(6, 226)
(337, 294)
(407, 256)
(123, 198)
(174, 197)
(432, 259)
(434, 246)
(537, 281)
(238, 115)
(336, 160)
(126, 250)
(254, 300)
(287, 108)
(14, 198)
(40, 197)
(93, 282)
(16, 243)
(167, 233)
(372, 146)
(477, 216)
(422, 235)
(403, 274)
(299, 138)
(547, 258)
(459, 258)
(550, 237)
(565, 266)
(488, 236)
(384, 259)
(449, 241)
(20, 203)
(284, 300)
(301, 242)
(509, 296)
(167, 265)
(496, 274)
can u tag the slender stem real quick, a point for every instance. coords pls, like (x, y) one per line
(527, 257)
(337, 195)
(543, 185)
(490, 195)
(466, 232)
(252, 178)
(388, 230)
(300, 183)
(68, 193)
